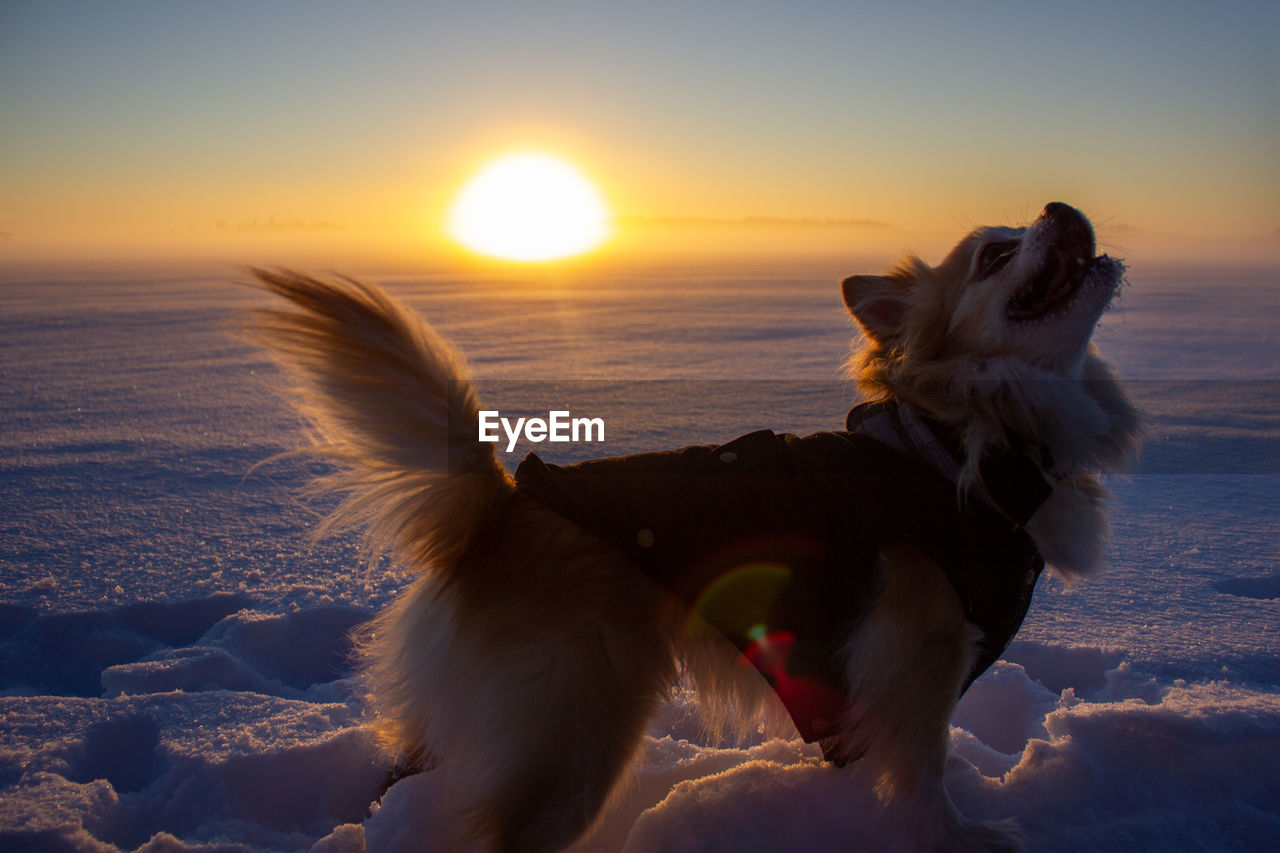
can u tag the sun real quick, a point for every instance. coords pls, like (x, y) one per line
(529, 207)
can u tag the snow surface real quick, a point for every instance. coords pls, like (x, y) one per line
(173, 671)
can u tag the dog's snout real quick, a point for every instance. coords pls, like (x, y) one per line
(1058, 211)
(1070, 224)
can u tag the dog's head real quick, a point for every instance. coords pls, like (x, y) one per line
(1033, 293)
(995, 342)
(995, 339)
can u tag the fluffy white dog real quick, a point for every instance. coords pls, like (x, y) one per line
(852, 583)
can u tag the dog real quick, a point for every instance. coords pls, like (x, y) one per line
(890, 563)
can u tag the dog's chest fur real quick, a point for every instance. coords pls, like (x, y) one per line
(773, 540)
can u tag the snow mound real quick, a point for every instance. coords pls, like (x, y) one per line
(174, 670)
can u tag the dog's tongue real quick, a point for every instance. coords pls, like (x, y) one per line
(1053, 285)
(1060, 268)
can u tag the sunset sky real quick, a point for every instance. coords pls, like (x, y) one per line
(157, 125)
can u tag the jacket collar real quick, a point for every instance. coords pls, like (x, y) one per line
(1009, 481)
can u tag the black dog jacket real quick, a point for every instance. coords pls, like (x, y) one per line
(773, 539)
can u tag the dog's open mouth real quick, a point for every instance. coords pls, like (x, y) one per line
(1053, 288)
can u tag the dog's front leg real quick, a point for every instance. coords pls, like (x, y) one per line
(906, 665)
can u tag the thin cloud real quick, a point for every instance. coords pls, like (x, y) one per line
(754, 222)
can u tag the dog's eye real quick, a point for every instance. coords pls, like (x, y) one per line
(994, 257)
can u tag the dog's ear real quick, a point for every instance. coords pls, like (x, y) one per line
(878, 303)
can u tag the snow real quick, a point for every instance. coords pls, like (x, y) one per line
(173, 647)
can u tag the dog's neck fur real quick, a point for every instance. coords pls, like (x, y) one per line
(1011, 483)
(1074, 428)
(943, 340)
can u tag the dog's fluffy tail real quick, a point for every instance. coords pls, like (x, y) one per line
(390, 403)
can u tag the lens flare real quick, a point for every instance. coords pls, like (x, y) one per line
(738, 603)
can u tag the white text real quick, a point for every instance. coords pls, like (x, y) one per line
(558, 426)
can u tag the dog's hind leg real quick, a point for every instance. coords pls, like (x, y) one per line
(528, 676)
(578, 703)
(574, 743)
